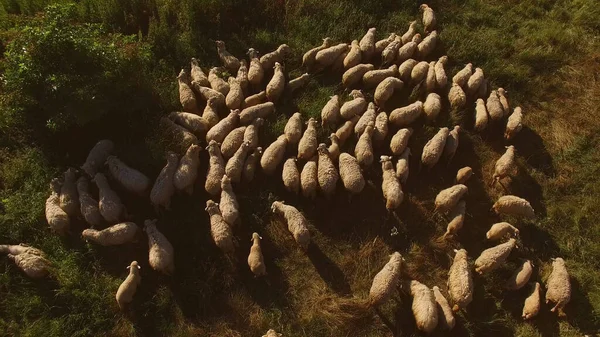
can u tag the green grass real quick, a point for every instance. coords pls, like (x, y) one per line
(544, 52)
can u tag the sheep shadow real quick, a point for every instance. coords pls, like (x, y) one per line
(580, 312)
(328, 270)
(531, 147)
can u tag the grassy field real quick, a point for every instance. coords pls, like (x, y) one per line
(546, 53)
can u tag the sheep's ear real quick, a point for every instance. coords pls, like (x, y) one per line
(139, 267)
(260, 237)
(128, 267)
(456, 250)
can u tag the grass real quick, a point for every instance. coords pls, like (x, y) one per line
(544, 52)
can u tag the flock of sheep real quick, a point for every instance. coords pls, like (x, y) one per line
(233, 147)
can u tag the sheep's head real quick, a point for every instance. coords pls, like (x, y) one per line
(334, 138)
(243, 64)
(410, 131)
(392, 37)
(212, 145)
(150, 224)
(443, 59)
(413, 24)
(469, 66)
(372, 30)
(134, 267)
(284, 49)
(312, 122)
(172, 158)
(252, 53)
(234, 113)
(355, 43)
(423, 7)
(220, 44)
(194, 62)
(211, 207)
(278, 66)
(371, 106)
(70, 174)
(322, 149)
(501, 91)
(356, 93)
(282, 139)
(276, 205)
(393, 68)
(194, 149)
(434, 34)
(457, 128)
(370, 128)
(558, 261)
(258, 151)
(416, 38)
(384, 159)
(258, 122)
(82, 184)
(225, 182)
(232, 80)
(183, 76)
(255, 237)
(55, 185)
(479, 101)
(327, 42)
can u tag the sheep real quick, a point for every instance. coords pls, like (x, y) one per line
(390, 186)
(228, 204)
(405, 69)
(402, 166)
(330, 114)
(293, 128)
(256, 72)
(308, 59)
(447, 199)
(250, 164)
(366, 118)
(354, 75)
(373, 77)
(235, 96)
(194, 123)
(327, 175)
(216, 169)
(291, 176)
(128, 288)
(242, 76)
(160, 250)
(406, 115)
(272, 333)
(328, 56)
(558, 285)
(187, 170)
(110, 205)
(296, 222)
(440, 73)
(514, 124)
(381, 128)
(256, 260)
(179, 136)
(217, 83)
(367, 44)
(408, 50)
(262, 110)
(276, 84)
(430, 82)
(505, 165)
(219, 229)
(481, 115)
(433, 149)
(251, 132)
(163, 188)
(97, 157)
(364, 147)
(389, 54)
(69, 200)
(130, 178)
(309, 179)
(504, 101)
(500, 230)
(338, 63)
(233, 141)
(223, 127)
(208, 93)
(268, 60)
(463, 175)
(350, 173)
(118, 234)
(297, 83)
(424, 307)
(229, 61)
(386, 281)
(494, 107)
(385, 89)
(460, 281)
(483, 89)
(532, 304)
(255, 99)
(515, 206)
(493, 257)
(445, 315)
(334, 148)
(197, 74)
(462, 77)
(186, 94)
(383, 43)
(474, 82)
(429, 21)
(353, 57)
(410, 33)
(354, 107)
(307, 146)
(451, 143)
(30, 260)
(399, 141)
(457, 218)
(520, 277)
(457, 96)
(419, 72)
(432, 106)
(425, 47)
(344, 131)
(235, 164)
(273, 155)
(88, 205)
(210, 114)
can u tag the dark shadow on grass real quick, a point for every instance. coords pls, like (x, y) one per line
(328, 270)
(580, 312)
(531, 147)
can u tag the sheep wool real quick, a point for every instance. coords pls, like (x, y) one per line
(354, 75)
(462, 77)
(427, 46)
(492, 258)
(484, 89)
(433, 149)
(242, 77)
(186, 94)
(354, 107)
(481, 115)
(440, 73)
(219, 229)
(381, 128)
(521, 276)
(194, 123)
(97, 157)
(558, 285)
(30, 260)
(399, 141)
(276, 84)
(187, 170)
(114, 235)
(515, 206)
(504, 101)
(216, 169)
(261, 110)
(446, 318)
(430, 83)
(367, 44)
(308, 59)
(307, 146)
(163, 188)
(451, 143)
(328, 56)
(296, 222)
(272, 333)
(424, 307)
(500, 230)
(208, 93)
(457, 218)
(235, 164)
(402, 168)
(197, 74)
(235, 96)
(532, 304)
(460, 281)
(404, 116)
(133, 180)
(88, 205)
(216, 82)
(447, 199)
(373, 77)
(514, 124)
(233, 141)
(419, 72)
(178, 136)
(345, 131)
(255, 99)
(273, 155)
(494, 107)
(386, 281)
(251, 133)
(255, 71)
(160, 250)
(229, 61)
(409, 49)
(256, 260)
(432, 106)
(330, 114)
(128, 288)
(410, 32)
(334, 148)
(327, 175)
(110, 205)
(386, 89)
(354, 55)
(389, 54)
(268, 60)
(366, 118)
(69, 200)
(457, 96)
(293, 128)
(390, 186)
(463, 175)
(250, 164)
(364, 147)
(223, 127)
(210, 114)
(429, 21)
(309, 179)
(291, 176)
(383, 43)
(350, 173)
(297, 83)
(405, 69)
(228, 205)
(474, 82)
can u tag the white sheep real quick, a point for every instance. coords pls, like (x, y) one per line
(97, 157)
(505, 165)
(273, 155)
(216, 82)
(327, 175)
(457, 96)
(309, 179)
(429, 21)
(364, 146)
(405, 69)
(130, 178)
(250, 164)
(179, 136)
(463, 175)
(197, 74)
(110, 205)
(307, 146)
(334, 148)
(460, 281)
(445, 315)
(447, 199)
(128, 288)
(354, 55)
(69, 200)
(276, 85)
(187, 170)
(256, 72)
(404, 116)
(427, 46)
(451, 143)
(424, 307)
(373, 77)
(329, 56)
(457, 218)
(481, 115)
(532, 304)
(504, 101)
(386, 281)
(223, 127)
(30, 260)
(399, 141)
(520, 277)
(297, 83)
(186, 94)
(262, 110)
(474, 82)
(255, 99)
(367, 44)
(366, 118)
(419, 72)
(296, 222)
(402, 168)
(440, 73)
(430, 82)
(242, 77)
(389, 54)
(432, 106)
(210, 114)
(88, 205)
(355, 106)
(462, 77)
(494, 257)
(291, 176)
(216, 169)
(500, 230)
(235, 164)
(410, 32)
(160, 251)
(350, 173)
(194, 123)
(494, 107)
(111, 236)
(514, 124)
(558, 285)
(293, 128)
(268, 60)
(408, 50)
(272, 333)
(228, 204)
(390, 186)
(229, 61)
(308, 59)
(345, 131)
(256, 260)
(233, 141)
(251, 132)
(383, 43)
(163, 188)
(354, 75)
(235, 96)
(385, 89)
(330, 114)
(433, 149)
(381, 128)
(515, 206)
(219, 229)
(208, 93)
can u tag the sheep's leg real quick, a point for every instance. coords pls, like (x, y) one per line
(503, 187)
